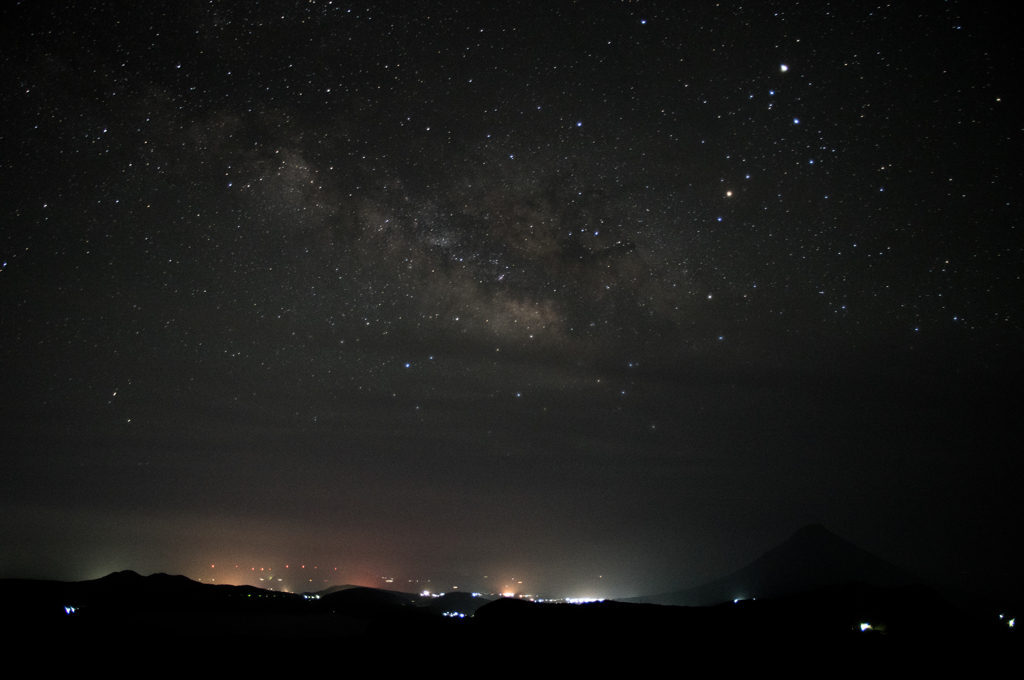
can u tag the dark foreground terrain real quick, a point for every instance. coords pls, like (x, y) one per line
(129, 623)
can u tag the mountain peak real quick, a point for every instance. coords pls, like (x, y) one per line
(813, 530)
(124, 576)
(813, 557)
(815, 537)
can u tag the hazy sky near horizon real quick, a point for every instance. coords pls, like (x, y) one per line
(605, 296)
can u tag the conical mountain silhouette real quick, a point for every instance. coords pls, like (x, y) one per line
(813, 557)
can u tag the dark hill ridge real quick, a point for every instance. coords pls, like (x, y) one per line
(186, 623)
(126, 593)
(335, 589)
(460, 603)
(812, 558)
(367, 602)
(854, 625)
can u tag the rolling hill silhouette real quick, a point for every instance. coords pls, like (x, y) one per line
(815, 595)
(812, 558)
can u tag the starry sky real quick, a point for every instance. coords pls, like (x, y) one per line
(603, 297)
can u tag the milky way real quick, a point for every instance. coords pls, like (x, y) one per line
(498, 286)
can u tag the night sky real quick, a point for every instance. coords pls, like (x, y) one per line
(603, 297)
